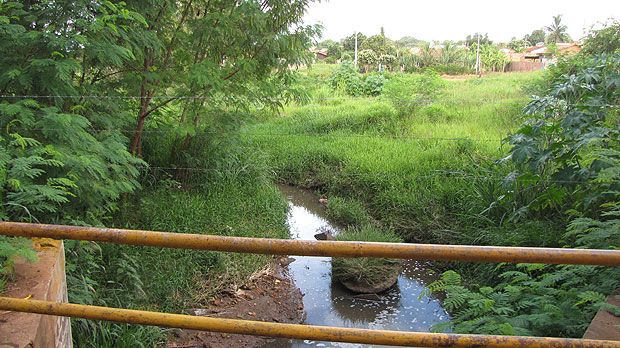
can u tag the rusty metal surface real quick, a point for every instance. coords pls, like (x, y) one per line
(317, 248)
(296, 331)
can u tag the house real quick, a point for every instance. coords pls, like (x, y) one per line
(543, 53)
(512, 55)
(539, 56)
(319, 53)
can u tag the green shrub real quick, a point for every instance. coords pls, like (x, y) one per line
(566, 161)
(365, 270)
(347, 80)
(408, 92)
(347, 212)
(373, 84)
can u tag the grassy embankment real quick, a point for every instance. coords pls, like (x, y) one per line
(423, 173)
(229, 193)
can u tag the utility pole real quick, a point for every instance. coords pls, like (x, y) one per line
(355, 59)
(478, 70)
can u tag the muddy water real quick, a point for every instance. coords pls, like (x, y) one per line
(328, 303)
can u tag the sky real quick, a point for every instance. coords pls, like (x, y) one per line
(455, 19)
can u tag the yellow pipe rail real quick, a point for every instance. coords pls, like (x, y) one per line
(294, 331)
(317, 248)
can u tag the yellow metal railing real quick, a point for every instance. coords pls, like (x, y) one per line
(317, 248)
(295, 331)
(305, 248)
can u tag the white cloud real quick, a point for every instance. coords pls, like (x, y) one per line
(453, 19)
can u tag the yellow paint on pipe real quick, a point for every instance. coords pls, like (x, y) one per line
(296, 331)
(317, 248)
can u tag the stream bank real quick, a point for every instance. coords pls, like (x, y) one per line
(300, 289)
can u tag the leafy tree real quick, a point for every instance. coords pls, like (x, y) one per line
(427, 55)
(556, 32)
(492, 58)
(535, 37)
(334, 50)
(387, 60)
(605, 40)
(326, 43)
(348, 43)
(567, 159)
(63, 157)
(408, 41)
(449, 52)
(472, 40)
(379, 44)
(63, 153)
(368, 58)
(518, 45)
(229, 54)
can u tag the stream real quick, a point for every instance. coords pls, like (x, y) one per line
(328, 303)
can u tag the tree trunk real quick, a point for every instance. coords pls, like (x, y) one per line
(136, 142)
(145, 100)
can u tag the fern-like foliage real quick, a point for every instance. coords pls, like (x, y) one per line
(569, 150)
(62, 158)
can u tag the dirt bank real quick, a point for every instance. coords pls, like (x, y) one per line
(269, 295)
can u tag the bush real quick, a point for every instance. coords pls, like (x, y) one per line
(373, 84)
(566, 158)
(407, 92)
(346, 79)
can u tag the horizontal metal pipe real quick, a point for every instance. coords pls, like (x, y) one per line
(295, 331)
(317, 248)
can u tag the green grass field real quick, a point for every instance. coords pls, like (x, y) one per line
(420, 173)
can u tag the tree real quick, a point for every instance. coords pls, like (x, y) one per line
(348, 43)
(63, 155)
(449, 53)
(334, 51)
(518, 45)
(408, 41)
(228, 54)
(537, 36)
(556, 32)
(368, 58)
(379, 44)
(605, 40)
(472, 40)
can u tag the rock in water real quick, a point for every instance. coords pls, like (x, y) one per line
(375, 288)
(327, 235)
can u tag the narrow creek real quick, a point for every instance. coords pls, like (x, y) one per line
(328, 303)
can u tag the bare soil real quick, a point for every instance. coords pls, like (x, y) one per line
(269, 295)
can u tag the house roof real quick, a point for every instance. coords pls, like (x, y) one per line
(543, 49)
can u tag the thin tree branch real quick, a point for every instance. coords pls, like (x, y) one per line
(162, 104)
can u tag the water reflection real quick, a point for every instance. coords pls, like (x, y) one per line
(400, 308)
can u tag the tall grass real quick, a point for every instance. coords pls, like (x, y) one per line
(218, 188)
(420, 173)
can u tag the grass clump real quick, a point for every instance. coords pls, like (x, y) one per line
(347, 212)
(365, 271)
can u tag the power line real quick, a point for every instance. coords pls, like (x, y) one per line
(434, 175)
(302, 102)
(299, 135)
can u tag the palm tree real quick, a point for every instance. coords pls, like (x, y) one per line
(557, 31)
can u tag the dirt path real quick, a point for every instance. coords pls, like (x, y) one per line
(269, 295)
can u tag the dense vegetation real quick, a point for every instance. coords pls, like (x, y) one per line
(181, 115)
(126, 114)
(379, 52)
(473, 162)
